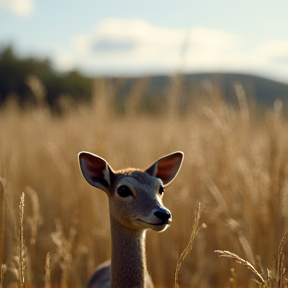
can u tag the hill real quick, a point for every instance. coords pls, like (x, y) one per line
(260, 90)
(31, 80)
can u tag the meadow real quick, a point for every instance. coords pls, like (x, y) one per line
(235, 165)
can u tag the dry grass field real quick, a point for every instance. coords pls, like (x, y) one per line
(235, 165)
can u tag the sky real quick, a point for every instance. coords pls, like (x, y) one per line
(128, 37)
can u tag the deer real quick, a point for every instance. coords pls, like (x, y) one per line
(135, 206)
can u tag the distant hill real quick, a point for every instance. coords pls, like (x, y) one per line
(260, 90)
(34, 81)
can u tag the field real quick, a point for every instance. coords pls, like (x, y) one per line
(235, 165)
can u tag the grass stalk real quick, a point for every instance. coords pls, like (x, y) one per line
(22, 261)
(2, 227)
(47, 272)
(239, 260)
(189, 247)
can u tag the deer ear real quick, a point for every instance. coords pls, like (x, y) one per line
(95, 170)
(167, 167)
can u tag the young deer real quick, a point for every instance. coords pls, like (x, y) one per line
(135, 202)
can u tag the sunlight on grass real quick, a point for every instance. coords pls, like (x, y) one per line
(235, 164)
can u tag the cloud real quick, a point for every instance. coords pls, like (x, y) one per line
(137, 44)
(113, 45)
(19, 7)
(276, 50)
(134, 46)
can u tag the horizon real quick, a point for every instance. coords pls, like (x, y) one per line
(150, 38)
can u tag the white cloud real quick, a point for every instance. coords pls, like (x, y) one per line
(276, 50)
(135, 43)
(117, 46)
(20, 7)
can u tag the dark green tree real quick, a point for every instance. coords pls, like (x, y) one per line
(15, 73)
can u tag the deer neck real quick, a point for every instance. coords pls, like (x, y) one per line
(128, 263)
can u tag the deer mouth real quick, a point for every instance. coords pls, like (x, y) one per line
(157, 224)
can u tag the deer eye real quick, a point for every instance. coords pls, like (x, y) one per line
(124, 191)
(161, 190)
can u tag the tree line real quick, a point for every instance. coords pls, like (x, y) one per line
(32, 81)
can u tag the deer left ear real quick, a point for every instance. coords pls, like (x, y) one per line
(95, 170)
(167, 167)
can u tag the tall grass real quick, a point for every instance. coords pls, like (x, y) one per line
(2, 229)
(235, 165)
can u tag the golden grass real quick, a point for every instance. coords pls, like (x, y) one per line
(235, 165)
(273, 278)
(188, 248)
(21, 246)
(2, 225)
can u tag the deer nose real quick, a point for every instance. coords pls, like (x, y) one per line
(164, 215)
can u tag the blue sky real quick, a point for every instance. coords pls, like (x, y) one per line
(151, 37)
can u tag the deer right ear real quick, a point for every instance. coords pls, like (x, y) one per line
(167, 167)
(95, 170)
